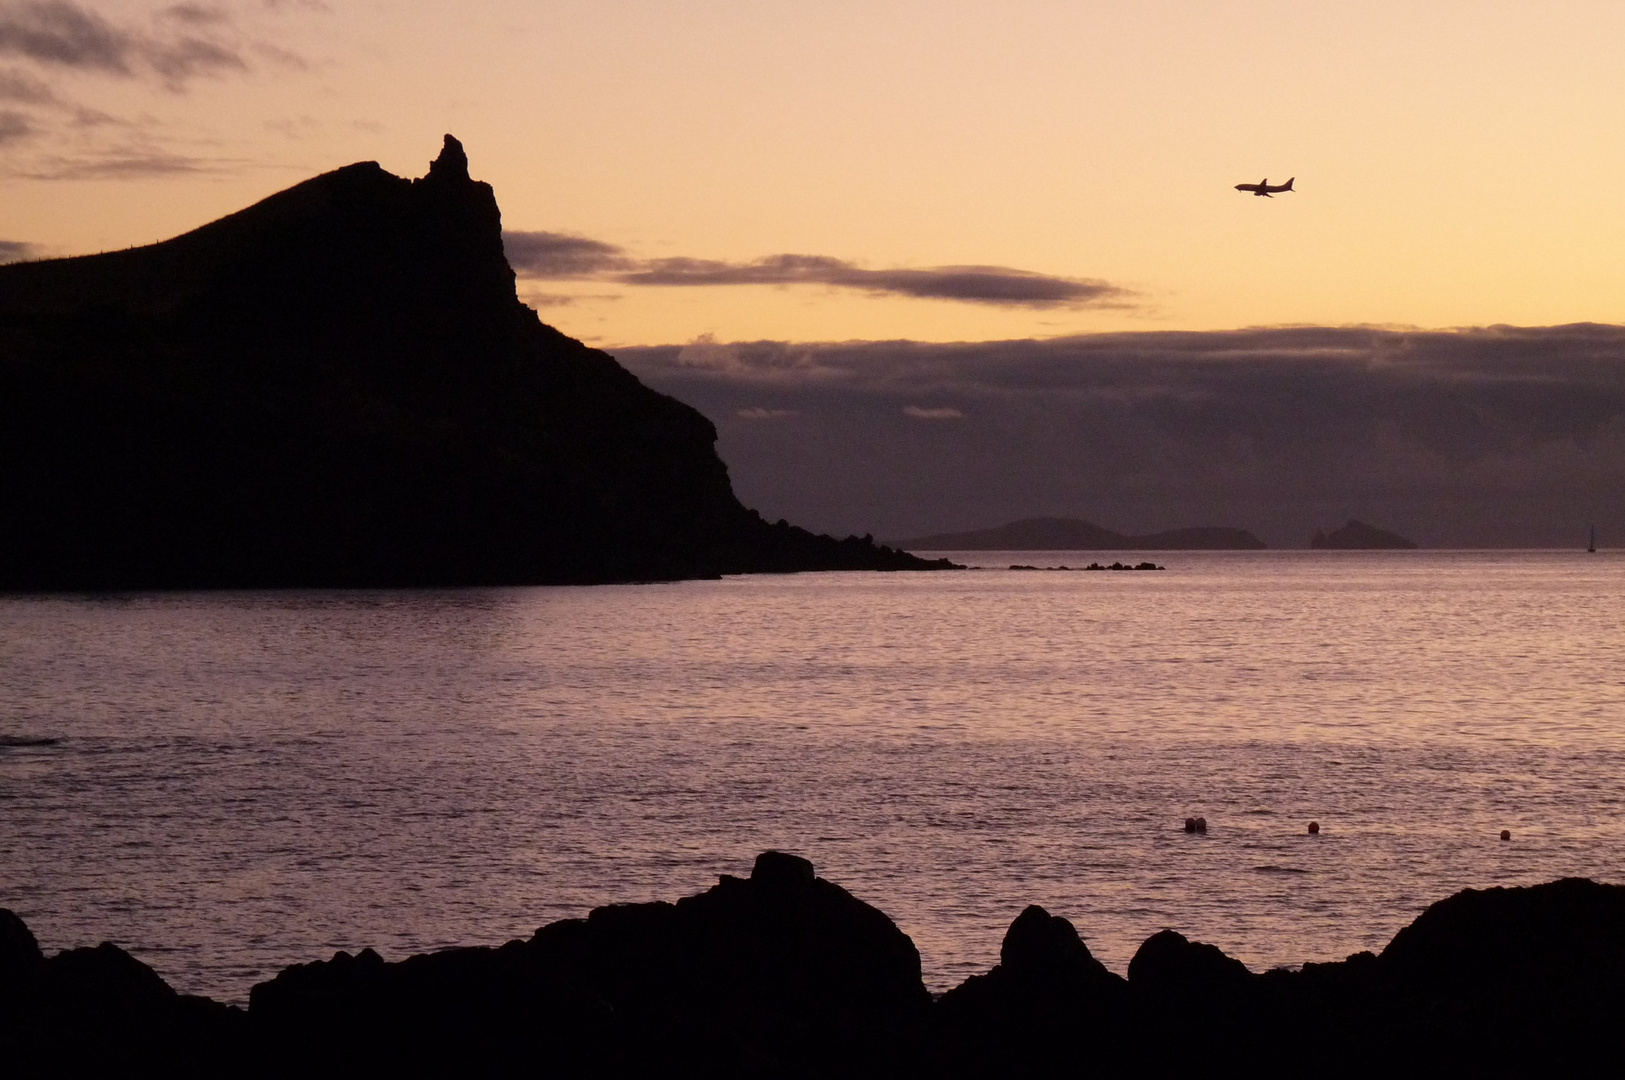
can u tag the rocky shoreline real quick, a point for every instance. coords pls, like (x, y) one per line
(785, 974)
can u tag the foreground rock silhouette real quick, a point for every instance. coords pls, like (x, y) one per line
(339, 387)
(785, 974)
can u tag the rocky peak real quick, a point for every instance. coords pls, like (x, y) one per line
(452, 164)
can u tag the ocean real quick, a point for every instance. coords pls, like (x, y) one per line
(227, 783)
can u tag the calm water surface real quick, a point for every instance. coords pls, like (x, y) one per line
(247, 780)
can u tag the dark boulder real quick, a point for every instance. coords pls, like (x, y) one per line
(1530, 977)
(1172, 968)
(19, 952)
(783, 974)
(1192, 1003)
(101, 1011)
(1048, 1008)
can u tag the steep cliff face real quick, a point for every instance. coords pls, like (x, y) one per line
(338, 386)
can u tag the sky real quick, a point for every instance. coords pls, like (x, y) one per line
(1457, 164)
(690, 175)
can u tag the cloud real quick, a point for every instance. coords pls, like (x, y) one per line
(190, 57)
(756, 412)
(57, 32)
(1486, 436)
(15, 251)
(25, 89)
(197, 14)
(549, 255)
(13, 126)
(118, 165)
(61, 34)
(549, 299)
(976, 284)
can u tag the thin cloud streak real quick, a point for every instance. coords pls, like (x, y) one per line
(976, 284)
(197, 14)
(563, 256)
(551, 256)
(15, 251)
(119, 166)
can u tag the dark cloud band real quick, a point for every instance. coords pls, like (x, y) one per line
(1493, 436)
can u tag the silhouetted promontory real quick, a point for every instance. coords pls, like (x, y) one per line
(339, 386)
(1358, 536)
(1071, 534)
(786, 974)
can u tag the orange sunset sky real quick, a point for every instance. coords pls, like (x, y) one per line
(1457, 163)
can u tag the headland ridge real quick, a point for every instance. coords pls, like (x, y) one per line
(338, 386)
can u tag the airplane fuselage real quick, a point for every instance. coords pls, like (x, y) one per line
(1265, 188)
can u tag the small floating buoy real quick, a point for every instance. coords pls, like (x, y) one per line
(1201, 824)
(1506, 834)
(1314, 828)
(1190, 824)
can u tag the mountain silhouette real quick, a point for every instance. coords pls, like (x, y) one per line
(1358, 536)
(1070, 534)
(339, 387)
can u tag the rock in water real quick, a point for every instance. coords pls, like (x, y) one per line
(339, 386)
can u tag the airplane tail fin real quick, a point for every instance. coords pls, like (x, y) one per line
(1288, 186)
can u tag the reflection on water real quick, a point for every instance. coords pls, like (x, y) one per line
(227, 783)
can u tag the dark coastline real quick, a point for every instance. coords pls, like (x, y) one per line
(786, 974)
(338, 387)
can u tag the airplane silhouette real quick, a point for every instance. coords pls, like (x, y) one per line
(1264, 187)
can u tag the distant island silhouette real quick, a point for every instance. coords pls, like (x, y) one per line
(339, 387)
(1071, 534)
(1358, 536)
(785, 974)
